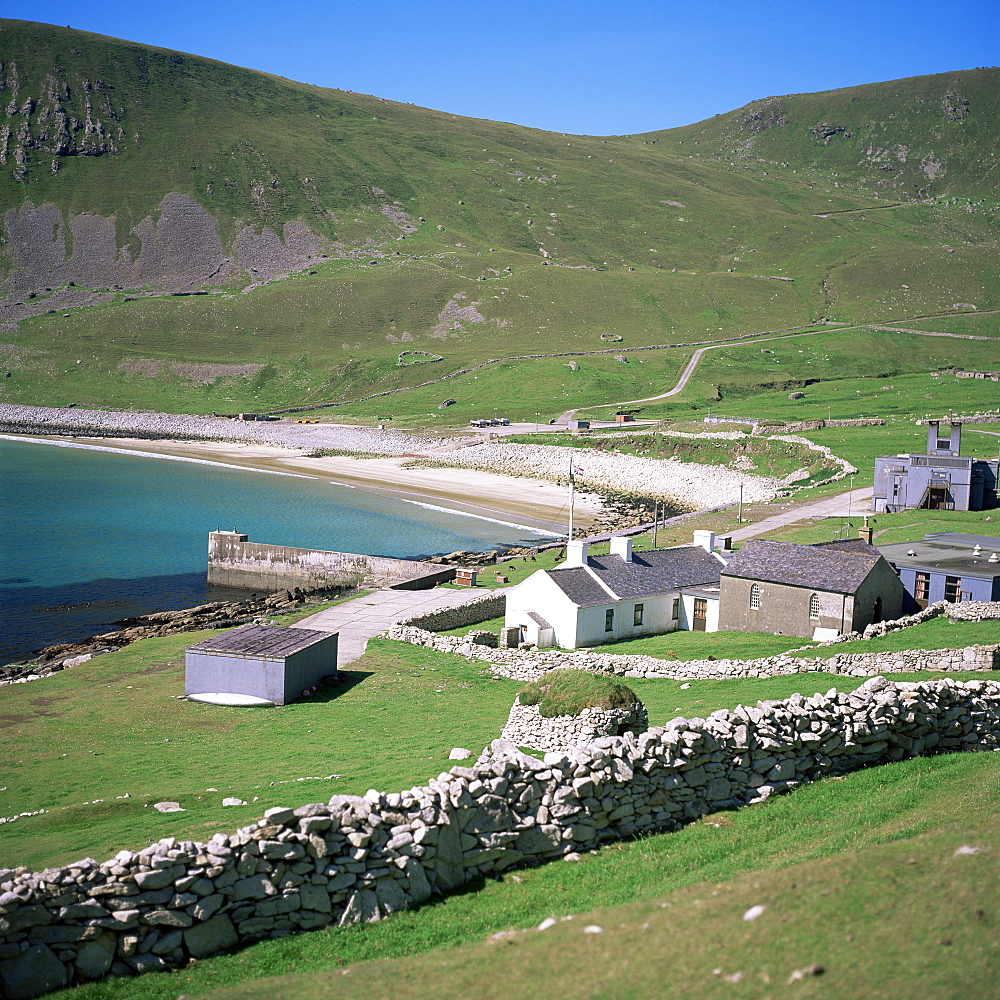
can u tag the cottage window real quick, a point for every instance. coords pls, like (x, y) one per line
(609, 620)
(675, 611)
(952, 588)
(754, 596)
(637, 614)
(922, 586)
(814, 606)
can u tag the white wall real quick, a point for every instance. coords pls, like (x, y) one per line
(656, 619)
(687, 614)
(575, 627)
(539, 594)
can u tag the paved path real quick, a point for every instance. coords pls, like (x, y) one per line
(361, 619)
(853, 503)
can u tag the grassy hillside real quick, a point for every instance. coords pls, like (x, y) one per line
(410, 229)
(914, 138)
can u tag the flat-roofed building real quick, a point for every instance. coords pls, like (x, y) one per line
(941, 479)
(947, 566)
(259, 663)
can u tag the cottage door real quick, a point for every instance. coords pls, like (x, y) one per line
(700, 618)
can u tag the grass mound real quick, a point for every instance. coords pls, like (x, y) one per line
(569, 692)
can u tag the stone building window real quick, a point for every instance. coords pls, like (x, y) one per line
(952, 588)
(637, 614)
(609, 620)
(754, 596)
(814, 606)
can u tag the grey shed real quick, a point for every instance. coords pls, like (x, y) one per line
(269, 662)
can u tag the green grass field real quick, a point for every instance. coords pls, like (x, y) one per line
(74, 743)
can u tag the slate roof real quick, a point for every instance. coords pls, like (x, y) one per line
(538, 620)
(651, 572)
(839, 569)
(844, 545)
(266, 641)
(580, 587)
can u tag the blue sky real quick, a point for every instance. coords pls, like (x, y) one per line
(607, 67)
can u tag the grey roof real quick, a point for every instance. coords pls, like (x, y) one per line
(844, 545)
(580, 587)
(269, 641)
(657, 570)
(948, 552)
(840, 569)
(538, 619)
(651, 572)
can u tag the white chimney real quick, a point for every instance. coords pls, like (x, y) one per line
(705, 539)
(576, 553)
(622, 547)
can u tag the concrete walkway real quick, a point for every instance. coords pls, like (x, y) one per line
(853, 503)
(361, 619)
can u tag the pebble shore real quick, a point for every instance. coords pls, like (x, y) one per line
(685, 483)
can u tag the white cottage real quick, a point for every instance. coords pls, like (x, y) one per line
(589, 600)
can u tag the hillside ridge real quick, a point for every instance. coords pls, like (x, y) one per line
(136, 177)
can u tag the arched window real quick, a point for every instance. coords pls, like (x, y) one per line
(814, 606)
(754, 596)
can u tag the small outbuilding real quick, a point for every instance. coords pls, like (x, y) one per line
(259, 664)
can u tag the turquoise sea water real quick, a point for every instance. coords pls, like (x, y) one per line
(91, 537)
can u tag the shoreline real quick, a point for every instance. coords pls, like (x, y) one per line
(520, 502)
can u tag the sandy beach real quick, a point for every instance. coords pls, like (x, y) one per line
(514, 482)
(520, 501)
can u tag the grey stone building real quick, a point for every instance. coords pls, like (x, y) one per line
(947, 566)
(813, 591)
(941, 479)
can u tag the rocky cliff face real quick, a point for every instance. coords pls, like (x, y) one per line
(63, 115)
(180, 250)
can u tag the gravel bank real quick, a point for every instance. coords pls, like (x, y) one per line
(169, 426)
(684, 483)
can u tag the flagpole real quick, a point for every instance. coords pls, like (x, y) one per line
(571, 484)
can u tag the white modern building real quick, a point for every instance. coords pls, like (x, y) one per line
(589, 600)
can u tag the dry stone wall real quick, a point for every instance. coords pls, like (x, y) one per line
(477, 609)
(530, 664)
(527, 727)
(360, 858)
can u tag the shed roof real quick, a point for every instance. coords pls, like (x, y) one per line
(839, 568)
(268, 641)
